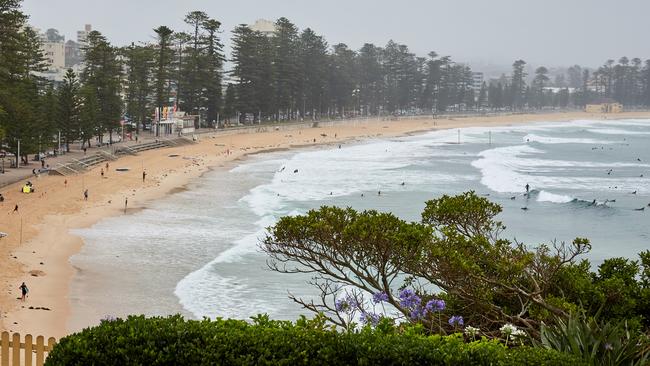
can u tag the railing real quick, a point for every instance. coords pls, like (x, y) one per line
(10, 347)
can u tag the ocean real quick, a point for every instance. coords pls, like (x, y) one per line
(197, 252)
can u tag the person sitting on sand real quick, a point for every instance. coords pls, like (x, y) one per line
(23, 290)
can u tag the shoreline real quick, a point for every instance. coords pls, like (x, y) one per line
(46, 218)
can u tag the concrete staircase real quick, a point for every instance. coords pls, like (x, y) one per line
(77, 166)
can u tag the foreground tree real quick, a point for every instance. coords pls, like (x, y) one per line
(455, 254)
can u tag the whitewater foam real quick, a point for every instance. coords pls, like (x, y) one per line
(563, 140)
(545, 196)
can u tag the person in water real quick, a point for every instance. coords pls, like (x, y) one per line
(527, 188)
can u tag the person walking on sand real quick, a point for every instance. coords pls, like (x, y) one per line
(86, 195)
(102, 172)
(144, 175)
(16, 208)
(23, 290)
(126, 203)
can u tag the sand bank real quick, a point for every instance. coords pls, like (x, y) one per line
(39, 244)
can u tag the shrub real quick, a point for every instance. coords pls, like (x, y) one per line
(173, 340)
(597, 343)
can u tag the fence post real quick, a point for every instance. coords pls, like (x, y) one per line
(15, 351)
(39, 351)
(50, 344)
(4, 349)
(28, 349)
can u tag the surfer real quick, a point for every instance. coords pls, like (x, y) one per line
(639, 209)
(525, 208)
(527, 189)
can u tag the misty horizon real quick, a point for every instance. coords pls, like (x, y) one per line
(584, 32)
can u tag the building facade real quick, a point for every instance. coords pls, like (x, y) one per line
(263, 26)
(477, 80)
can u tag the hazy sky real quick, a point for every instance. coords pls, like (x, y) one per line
(550, 32)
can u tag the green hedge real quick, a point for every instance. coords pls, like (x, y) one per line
(173, 340)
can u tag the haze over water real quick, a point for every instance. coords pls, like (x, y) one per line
(196, 252)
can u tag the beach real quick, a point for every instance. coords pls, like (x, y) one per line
(39, 243)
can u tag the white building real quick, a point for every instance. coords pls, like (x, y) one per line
(264, 26)
(54, 53)
(477, 80)
(82, 35)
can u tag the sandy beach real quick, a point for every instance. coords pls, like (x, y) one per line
(39, 244)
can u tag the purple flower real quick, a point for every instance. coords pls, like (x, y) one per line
(435, 305)
(369, 318)
(341, 305)
(418, 313)
(352, 301)
(456, 320)
(608, 347)
(347, 304)
(408, 299)
(379, 297)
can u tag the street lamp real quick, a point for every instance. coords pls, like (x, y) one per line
(357, 93)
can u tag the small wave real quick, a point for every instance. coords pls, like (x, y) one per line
(544, 196)
(592, 203)
(616, 131)
(562, 140)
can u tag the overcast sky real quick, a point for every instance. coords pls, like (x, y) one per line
(549, 32)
